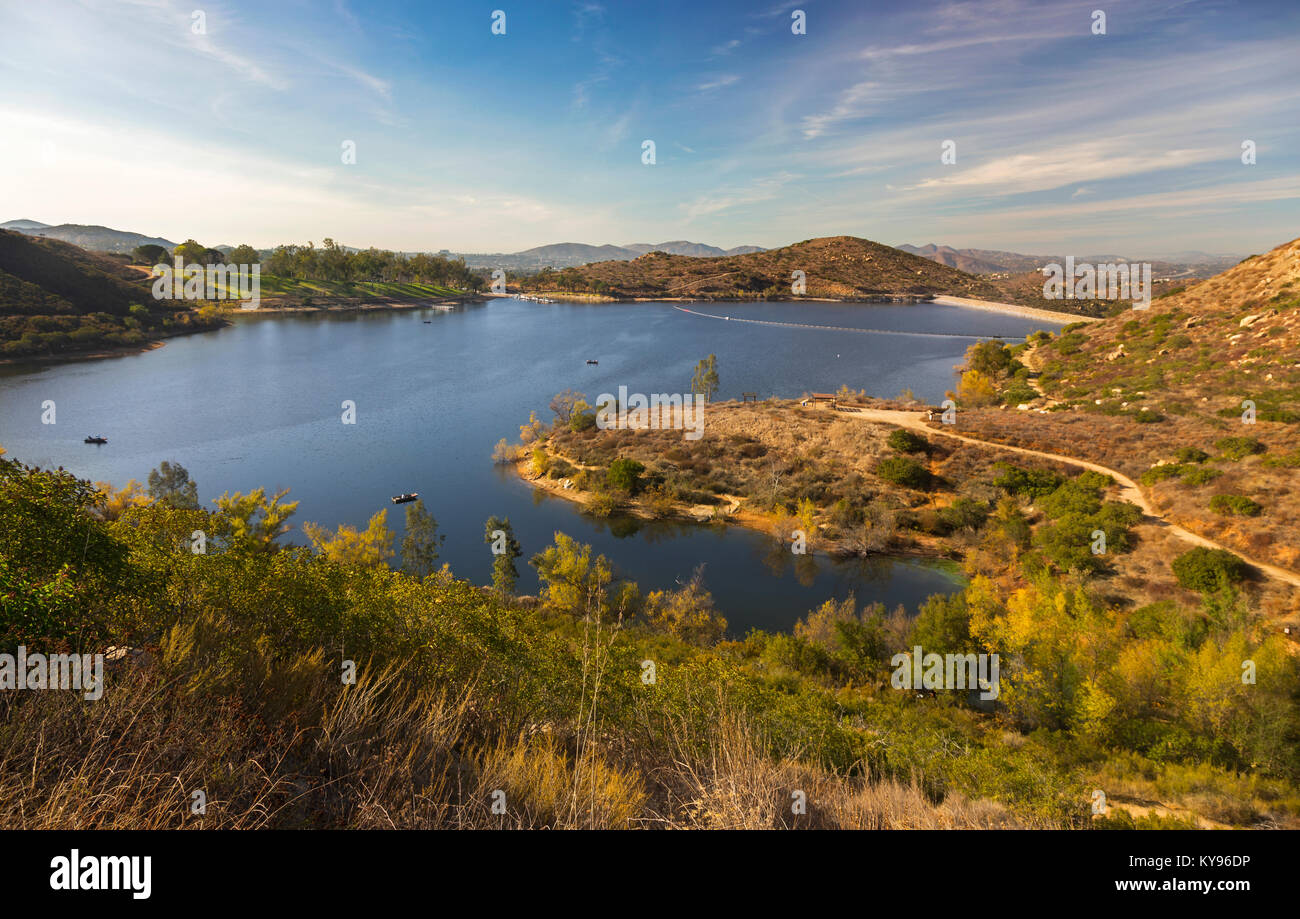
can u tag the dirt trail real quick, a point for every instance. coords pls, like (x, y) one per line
(1129, 490)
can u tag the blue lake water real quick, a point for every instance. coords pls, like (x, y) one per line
(259, 404)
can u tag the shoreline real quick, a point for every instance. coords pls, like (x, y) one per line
(1011, 309)
(734, 516)
(989, 306)
(227, 316)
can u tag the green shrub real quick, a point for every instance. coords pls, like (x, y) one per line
(1160, 473)
(1208, 570)
(1235, 505)
(905, 441)
(1202, 475)
(1031, 482)
(1192, 455)
(1238, 448)
(902, 470)
(625, 475)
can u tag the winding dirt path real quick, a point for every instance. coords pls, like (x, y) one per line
(1129, 490)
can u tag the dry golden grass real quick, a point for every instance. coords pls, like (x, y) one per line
(384, 755)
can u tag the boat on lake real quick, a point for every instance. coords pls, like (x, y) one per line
(402, 499)
(95, 439)
(593, 362)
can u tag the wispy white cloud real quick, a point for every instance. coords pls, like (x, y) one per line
(719, 82)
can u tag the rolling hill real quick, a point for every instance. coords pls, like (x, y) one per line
(572, 255)
(58, 298)
(1197, 397)
(835, 267)
(1182, 265)
(94, 238)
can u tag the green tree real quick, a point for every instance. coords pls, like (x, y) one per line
(191, 250)
(421, 542)
(625, 475)
(243, 255)
(148, 254)
(170, 483)
(706, 377)
(498, 534)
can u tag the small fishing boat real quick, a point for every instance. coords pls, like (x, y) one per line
(402, 499)
(428, 322)
(593, 362)
(95, 439)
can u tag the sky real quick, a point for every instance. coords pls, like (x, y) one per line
(230, 126)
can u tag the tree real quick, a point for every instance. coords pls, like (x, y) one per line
(625, 475)
(564, 404)
(190, 250)
(573, 581)
(256, 519)
(148, 254)
(372, 546)
(170, 483)
(687, 613)
(991, 358)
(498, 534)
(243, 255)
(706, 377)
(976, 389)
(116, 502)
(421, 542)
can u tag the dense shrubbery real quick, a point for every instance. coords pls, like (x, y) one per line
(902, 470)
(1235, 505)
(905, 441)
(1238, 448)
(1209, 569)
(247, 641)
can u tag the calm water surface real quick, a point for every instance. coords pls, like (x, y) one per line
(259, 404)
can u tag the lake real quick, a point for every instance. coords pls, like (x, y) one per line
(259, 404)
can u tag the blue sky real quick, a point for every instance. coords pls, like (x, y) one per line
(118, 113)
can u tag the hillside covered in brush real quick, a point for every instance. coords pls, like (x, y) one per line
(1197, 397)
(834, 267)
(58, 298)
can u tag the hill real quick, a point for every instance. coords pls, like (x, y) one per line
(572, 255)
(685, 247)
(1181, 265)
(95, 238)
(834, 267)
(57, 298)
(1197, 397)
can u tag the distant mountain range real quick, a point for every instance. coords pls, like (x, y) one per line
(1191, 264)
(572, 255)
(94, 238)
(556, 255)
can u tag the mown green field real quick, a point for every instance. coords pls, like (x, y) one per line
(273, 286)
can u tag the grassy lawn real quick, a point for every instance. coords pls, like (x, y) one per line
(273, 286)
